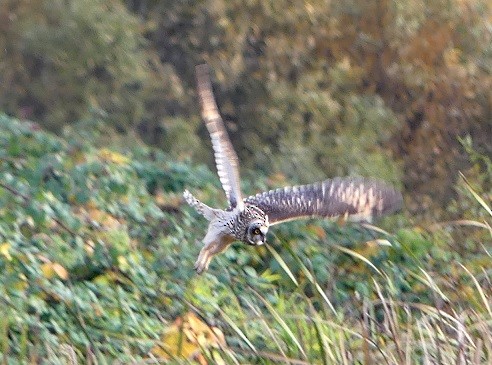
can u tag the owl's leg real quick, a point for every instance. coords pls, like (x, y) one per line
(203, 260)
(208, 252)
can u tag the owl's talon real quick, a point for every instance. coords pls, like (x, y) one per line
(200, 268)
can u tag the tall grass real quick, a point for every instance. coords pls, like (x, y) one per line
(385, 330)
(380, 328)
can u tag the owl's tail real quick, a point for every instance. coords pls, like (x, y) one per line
(200, 207)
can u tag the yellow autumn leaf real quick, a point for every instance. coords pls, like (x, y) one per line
(195, 324)
(112, 156)
(4, 250)
(123, 263)
(102, 218)
(47, 269)
(102, 280)
(60, 270)
(187, 337)
(50, 269)
(91, 204)
(21, 284)
(175, 344)
(372, 247)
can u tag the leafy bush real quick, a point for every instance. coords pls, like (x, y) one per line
(66, 60)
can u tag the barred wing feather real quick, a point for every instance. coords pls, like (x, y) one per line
(225, 156)
(356, 198)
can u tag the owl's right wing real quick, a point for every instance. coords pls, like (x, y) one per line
(225, 156)
(355, 198)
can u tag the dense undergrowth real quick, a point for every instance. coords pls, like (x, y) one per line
(96, 266)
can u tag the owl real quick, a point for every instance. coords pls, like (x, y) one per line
(248, 219)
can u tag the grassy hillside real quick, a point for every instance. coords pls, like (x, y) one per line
(96, 266)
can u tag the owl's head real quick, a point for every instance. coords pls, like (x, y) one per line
(256, 233)
(253, 225)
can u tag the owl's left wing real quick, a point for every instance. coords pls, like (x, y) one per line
(225, 156)
(355, 198)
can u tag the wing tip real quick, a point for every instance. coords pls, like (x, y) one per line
(391, 196)
(393, 201)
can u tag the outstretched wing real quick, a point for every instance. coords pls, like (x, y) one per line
(225, 156)
(356, 198)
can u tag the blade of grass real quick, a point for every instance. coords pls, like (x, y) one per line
(490, 230)
(282, 323)
(237, 330)
(460, 358)
(429, 310)
(358, 256)
(423, 344)
(428, 281)
(277, 359)
(409, 337)
(366, 333)
(262, 318)
(479, 289)
(311, 279)
(282, 264)
(478, 352)
(389, 311)
(374, 228)
(319, 334)
(460, 222)
(476, 196)
(4, 336)
(343, 351)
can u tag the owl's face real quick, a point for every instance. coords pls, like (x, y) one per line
(256, 233)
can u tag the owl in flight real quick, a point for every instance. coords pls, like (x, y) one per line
(248, 219)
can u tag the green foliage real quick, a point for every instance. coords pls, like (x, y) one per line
(323, 128)
(96, 264)
(70, 59)
(75, 221)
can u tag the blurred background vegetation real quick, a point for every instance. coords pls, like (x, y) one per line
(96, 250)
(309, 89)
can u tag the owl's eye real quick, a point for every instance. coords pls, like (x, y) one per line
(256, 231)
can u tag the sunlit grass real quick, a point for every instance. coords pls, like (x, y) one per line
(383, 330)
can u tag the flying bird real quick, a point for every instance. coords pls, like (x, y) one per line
(248, 219)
